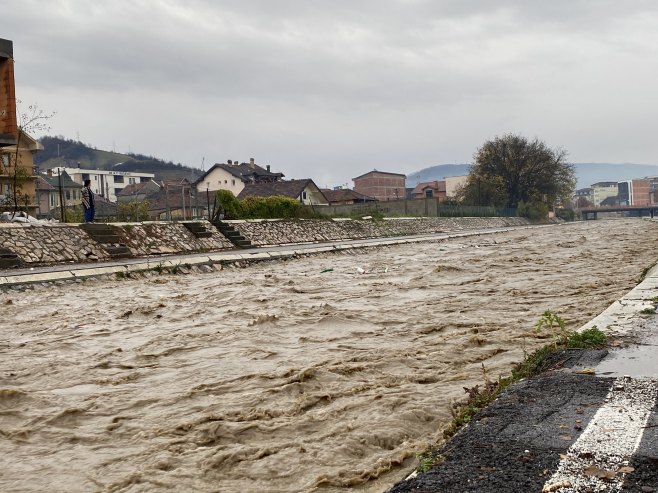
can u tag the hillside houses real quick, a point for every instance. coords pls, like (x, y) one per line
(167, 199)
(305, 191)
(234, 176)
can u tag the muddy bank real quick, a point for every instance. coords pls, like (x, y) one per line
(282, 377)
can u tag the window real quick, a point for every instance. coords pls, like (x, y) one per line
(68, 194)
(429, 193)
(233, 182)
(130, 180)
(117, 190)
(118, 179)
(52, 200)
(95, 178)
(304, 195)
(225, 182)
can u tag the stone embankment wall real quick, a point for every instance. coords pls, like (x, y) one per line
(164, 238)
(61, 243)
(281, 232)
(50, 243)
(38, 244)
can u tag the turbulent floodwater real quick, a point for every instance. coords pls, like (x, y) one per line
(279, 377)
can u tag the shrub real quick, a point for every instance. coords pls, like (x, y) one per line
(565, 214)
(133, 211)
(74, 214)
(228, 205)
(535, 211)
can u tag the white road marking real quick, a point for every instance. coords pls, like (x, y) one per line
(602, 456)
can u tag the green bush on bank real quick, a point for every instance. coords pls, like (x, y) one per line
(535, 211)
(274, 207)
(565, 214)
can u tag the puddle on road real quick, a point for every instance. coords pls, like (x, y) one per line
(635, 361)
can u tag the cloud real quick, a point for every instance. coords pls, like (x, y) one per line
(337, 88)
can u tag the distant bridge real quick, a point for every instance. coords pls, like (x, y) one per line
(632, 210)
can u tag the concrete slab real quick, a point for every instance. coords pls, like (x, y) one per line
(97, 271)
(254, 256)
(282, 253)
(41, 277)
(140, 266)
(224, 257)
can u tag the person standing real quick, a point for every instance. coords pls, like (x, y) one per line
(88, 205)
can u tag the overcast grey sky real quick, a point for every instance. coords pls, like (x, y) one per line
(333, 89)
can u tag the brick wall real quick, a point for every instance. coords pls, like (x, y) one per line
(380, 185)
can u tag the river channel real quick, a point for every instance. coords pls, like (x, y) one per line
(323, 373)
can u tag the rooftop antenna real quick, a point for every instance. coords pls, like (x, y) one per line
(203, 165)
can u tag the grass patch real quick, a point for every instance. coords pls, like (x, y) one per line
(648, 311)
(645, 272)
(427, 461)
(587, 339)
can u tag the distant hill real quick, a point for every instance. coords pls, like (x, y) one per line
(438, 172)
(58, 151)
(586, 173)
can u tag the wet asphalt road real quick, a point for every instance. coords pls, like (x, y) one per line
(517, 443)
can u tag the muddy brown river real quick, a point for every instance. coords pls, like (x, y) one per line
(280, 377)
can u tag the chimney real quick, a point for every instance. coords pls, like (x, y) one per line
(50, 172)
(268, 168)
(230, 162)
(252, 163)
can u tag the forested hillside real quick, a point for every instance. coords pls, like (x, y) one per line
(59, 151)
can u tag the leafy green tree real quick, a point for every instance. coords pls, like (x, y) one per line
(226, 204)
(511, 169)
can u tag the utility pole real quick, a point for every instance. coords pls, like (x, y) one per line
(208, 199)
(61, 196)
(182, 191)
(167, 201)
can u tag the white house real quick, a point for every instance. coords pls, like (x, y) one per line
(233, 176)
(106, 183)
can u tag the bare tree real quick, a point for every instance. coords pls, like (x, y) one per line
(30, 121)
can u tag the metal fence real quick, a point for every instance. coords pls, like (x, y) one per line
(423, 207)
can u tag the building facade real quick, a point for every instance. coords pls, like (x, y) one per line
(234, 176)
(603, 190)
(18, 175)
(381, 185)
(54, 190)
(635, 192)
(8, 123)
(453, 184)
(106, 183)
(430, 189)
